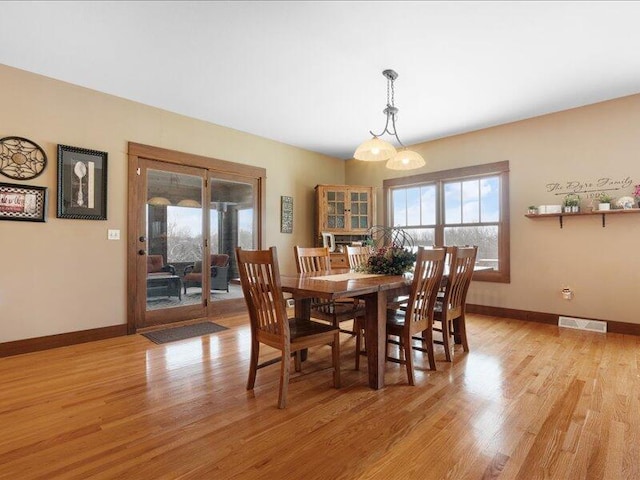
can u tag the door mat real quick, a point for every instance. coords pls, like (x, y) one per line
(180, 333)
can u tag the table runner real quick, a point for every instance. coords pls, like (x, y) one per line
(341, 277)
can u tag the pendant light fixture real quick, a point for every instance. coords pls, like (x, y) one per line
(375, 150)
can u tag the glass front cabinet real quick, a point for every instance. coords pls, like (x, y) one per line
(344, 209)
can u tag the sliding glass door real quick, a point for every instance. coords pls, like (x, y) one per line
(170, 241)
(188, 221)
(232, 223)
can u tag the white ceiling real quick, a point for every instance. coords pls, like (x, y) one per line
(309, 73)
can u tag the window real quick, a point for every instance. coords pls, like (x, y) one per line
(463, 206)
(184, 234)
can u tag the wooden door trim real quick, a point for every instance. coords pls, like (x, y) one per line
(189, 159)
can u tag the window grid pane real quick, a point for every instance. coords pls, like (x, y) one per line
(413, 206)
(428, 202)
(485, 237)
(452, 202)
(470, 201)
(399, 201)
(490, 199)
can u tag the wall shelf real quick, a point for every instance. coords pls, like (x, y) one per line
(603, 213)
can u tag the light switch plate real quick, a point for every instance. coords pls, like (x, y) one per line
(113, 234)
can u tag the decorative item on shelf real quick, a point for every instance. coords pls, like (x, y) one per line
(375, 150)
(625, 203)
(604, 201)
(550, 209)
(390, 260)
(329, 240)
(636, 194)
(571, 203)
(532, 210)
(21, 159)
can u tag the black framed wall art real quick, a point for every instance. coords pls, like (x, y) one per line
(82, 183)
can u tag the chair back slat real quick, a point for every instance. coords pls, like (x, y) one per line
(312, 259)
(460, 273)
(424, 289)
(260, 279)
(358, 256)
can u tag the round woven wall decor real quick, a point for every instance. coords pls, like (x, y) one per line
(21, 159)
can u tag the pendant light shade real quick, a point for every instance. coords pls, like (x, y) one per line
(158, 201)
(374, 150)
(406, 160)
(189, 203)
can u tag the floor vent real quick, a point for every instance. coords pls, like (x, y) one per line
(582, 324)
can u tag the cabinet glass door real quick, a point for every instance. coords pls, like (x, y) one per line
(359, 210)
(336, 215)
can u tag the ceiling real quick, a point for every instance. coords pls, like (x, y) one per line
(309, 73)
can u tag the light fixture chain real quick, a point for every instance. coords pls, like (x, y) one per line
(393, 94)
(389, 83)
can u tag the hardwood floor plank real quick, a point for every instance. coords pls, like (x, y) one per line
(529, 400)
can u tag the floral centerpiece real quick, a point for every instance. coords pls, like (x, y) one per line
(390, 260)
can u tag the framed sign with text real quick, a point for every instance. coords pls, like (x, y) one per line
(23, 202)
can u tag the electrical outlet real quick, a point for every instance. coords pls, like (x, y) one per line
(113, 234)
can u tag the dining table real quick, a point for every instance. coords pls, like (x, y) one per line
(336, 284)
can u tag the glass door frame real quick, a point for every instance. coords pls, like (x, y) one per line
(147, 317)
(140, 157)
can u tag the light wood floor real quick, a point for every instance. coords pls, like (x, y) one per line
(529, 401)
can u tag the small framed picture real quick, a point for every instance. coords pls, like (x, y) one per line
(23, 202)
(82, 183)
(286, 214)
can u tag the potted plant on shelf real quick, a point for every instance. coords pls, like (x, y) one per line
(532, 210)
(604, 201)
(571, 203)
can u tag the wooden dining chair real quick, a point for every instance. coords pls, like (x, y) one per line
(312, 259)
(449, 317)
(417, 316)
(317, 259)
(261, 286)
(357, 256)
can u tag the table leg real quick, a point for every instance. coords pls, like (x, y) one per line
(375, 332)
(302, 309)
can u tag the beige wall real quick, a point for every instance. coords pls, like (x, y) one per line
(602, 265)
(64, 275)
